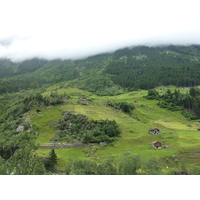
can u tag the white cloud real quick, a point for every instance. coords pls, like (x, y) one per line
(78, 28)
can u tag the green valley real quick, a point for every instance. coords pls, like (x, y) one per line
(180, 135)
(96, 113)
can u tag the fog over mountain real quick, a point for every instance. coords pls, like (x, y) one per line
(76, 29)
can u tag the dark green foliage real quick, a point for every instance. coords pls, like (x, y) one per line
(188, 115)
(78, 127)
(81, 167)
(107, 167)
(195, 170)
(137, 68)
(26, 162)
(148, 67)
(51, 160)
(17, 149)
(151, 167)
(18, 154)
(176, 101)
(34, 73)
(101, 85)
(124, 106)
(53, 157)
(129, 165)
(38, 100)
(152, 94)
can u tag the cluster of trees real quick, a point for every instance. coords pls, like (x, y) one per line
(143, 67)
(17, 109)
(101, 85)
(124, 106)
(51, 160)
(78, 127)
(178, 101)
(18, 148)
(130, 165)
(53, 98)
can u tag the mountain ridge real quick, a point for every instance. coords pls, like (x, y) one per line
(140, 67)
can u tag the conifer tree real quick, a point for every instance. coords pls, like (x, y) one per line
(51, 161)
(53, 158)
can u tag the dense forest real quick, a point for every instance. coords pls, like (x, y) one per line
(149, 67)
(135, 68)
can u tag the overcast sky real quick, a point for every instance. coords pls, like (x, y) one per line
(70, 29)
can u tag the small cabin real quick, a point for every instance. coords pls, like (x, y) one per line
(198, 129)
(154, 131)
(156, 144)
(38, 111)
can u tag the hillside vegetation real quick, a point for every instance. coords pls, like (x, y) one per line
(96, 113)
(108, 74)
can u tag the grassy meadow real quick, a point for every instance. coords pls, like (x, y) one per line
(179, 134)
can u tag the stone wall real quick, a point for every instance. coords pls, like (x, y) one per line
(61, 146)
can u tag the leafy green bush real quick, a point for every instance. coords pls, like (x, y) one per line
(124, 106)
(78, 127)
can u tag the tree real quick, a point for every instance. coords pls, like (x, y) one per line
(107, 167)
(129, 165)
(80, 167)
(151, 167)
(25, 162)
(51, 161)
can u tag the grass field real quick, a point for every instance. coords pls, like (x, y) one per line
(178, 133)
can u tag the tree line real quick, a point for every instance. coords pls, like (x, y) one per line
(188, 103)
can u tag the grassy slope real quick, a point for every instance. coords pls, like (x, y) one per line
(135, 136)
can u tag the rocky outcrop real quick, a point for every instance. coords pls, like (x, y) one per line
(20, 129)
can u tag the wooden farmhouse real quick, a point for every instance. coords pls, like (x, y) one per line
(154, 131)
(156, 144)
(38, 111)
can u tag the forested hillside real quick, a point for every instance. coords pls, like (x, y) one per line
(106, 74)
(145, 67)
(101, 109)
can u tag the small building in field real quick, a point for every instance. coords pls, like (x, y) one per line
(38, 111)
(154, 131)
(156, 144)
(198, 129)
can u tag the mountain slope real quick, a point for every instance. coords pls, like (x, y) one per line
(179, 134)
(35, 93)
(133, 68)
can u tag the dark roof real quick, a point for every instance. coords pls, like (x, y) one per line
(154, 142)
(154, 129)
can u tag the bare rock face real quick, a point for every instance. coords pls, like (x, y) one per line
(83, 102)
(20, 129)
(127, 153)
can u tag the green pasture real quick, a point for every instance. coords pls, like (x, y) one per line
(177, 132)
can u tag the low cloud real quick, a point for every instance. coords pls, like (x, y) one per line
(80, 29)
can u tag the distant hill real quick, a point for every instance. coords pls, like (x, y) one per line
(134, 68)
